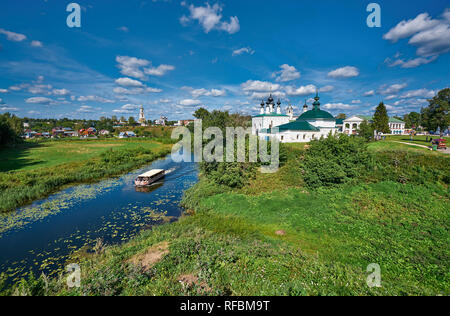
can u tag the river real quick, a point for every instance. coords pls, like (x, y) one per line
(41, 237)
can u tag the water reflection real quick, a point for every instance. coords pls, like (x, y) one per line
(150, 188)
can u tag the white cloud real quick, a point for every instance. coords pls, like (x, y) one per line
(356, 101)
(344, 72)
(338, 106)
(159, 71)
(190, 102)
(210, 18)
(3, 90)
(36, 44)
(259, 86)
(369, 93)
(127, 109)
(243, 50)
(287, 73)
(9, 109)
(93, 98)
(39, 100)
(62, 92)
(405, 29)
(136, 68)
(86, 109)
(128, 82)
(435, 41)
(123, 29)
(430, 36)
(424, 93)
(14, 37)
(411, 63)
(264, 95)
(204, 92)
(39, 89)
(392, 89)
(390, 97)
(134, 91)
(130, 66)
(326, 89)
(301, 91)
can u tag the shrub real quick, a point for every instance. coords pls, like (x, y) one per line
(335, 160)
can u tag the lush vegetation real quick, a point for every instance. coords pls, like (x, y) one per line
(297, 232)
(437, 115)
(10, 130)
(34, 170)
(381, 119)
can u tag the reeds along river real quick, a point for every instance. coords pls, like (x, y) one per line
(43, 236)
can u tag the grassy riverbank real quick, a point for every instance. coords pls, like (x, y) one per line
(278, 236)
(34, 170)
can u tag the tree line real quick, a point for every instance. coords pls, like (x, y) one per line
(431, 118)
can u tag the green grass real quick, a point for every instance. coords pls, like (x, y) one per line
(37, 170)
(395, 145)
(34, 155)
(231, 246)
(420, 139)
(396, 216)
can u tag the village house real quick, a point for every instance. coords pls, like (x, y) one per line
(351, 125)
(127, 135)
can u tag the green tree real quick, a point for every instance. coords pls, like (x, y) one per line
(366, 130)
(412, 120)
(10, 129)
(202, 114)
(436, 114)
(341, 116)
(381, 119)
(131, 121)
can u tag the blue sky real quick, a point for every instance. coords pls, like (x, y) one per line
(175, 56)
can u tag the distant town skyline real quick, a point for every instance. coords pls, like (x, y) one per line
(173, 57)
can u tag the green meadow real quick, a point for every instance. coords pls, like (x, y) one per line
(281, 234)
(33, 170)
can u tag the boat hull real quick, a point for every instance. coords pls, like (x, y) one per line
(149, 183)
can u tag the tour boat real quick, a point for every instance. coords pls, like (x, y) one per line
(149, 177)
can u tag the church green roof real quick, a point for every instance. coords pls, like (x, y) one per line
(316, 113)
(370, 119)
(296, 126)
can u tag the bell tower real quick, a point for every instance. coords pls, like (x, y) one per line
(142, 119)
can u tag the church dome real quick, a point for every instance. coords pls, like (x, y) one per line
(316, 112)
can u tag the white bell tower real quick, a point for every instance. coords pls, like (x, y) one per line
(142, 119)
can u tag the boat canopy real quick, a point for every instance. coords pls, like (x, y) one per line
(151, 173)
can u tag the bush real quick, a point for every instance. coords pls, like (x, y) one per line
(335, 160)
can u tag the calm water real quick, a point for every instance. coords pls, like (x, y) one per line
(42, 236)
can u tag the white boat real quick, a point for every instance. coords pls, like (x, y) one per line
(149, 177)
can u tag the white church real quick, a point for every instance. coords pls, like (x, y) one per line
(311, 124)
